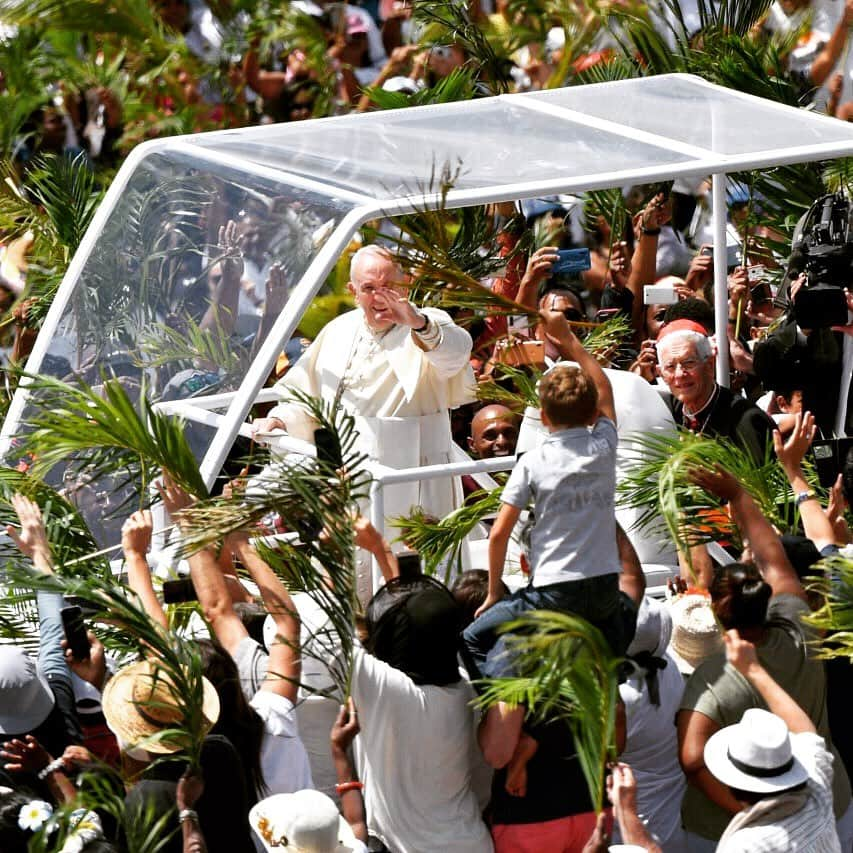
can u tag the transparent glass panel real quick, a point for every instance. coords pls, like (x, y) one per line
(690, 112)
(178, 294)
(402, 152)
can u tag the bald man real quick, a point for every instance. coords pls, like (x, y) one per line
(494, 432)
(398, 369)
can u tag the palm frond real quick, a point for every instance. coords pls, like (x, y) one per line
(310, 496)
(19, 622)
(610, 206)
(133, 631)
(68, 193)
(514, 387)
(605, 338)
(162, 344)
(659, 486)
(834, 618)
(449, 22)
(450, 252)
(132, 19)
(459, 85)
(302, 492)
(439, 543)
(566, 671)
(67, 532)
(100, 789)
(103, 433)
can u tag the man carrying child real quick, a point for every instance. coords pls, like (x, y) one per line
(571, 478)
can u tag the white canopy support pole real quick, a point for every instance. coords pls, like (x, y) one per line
(377, 519)
(721, 285)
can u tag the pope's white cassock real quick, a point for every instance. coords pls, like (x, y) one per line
(399, 392)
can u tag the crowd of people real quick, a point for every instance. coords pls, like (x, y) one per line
(195, 66)
(730, 728)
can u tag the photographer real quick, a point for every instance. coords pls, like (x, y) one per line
(818, 270)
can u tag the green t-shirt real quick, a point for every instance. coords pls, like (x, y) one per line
(719, 691)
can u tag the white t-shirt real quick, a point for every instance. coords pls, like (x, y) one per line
(284, 761)
(571, 477)
(651, 748)
(415, 753)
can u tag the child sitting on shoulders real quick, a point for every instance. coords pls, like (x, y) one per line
(571, 479)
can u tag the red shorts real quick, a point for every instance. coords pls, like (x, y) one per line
(564, 835)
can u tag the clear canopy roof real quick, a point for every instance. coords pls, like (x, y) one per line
(143, 298)
(568, 138)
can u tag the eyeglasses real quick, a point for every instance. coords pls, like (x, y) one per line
(573, 315)
(687, 366)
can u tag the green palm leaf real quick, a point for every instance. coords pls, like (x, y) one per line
(566, 671)
(450, 23)
(132, 631)
(310, 496)
(659, 485)
(103, 433)
(67, 533)
(459, 85)
(451, 252)
(440, 541)
(132, 19)
(834, 618)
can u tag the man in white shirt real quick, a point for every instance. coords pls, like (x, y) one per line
(398, 369)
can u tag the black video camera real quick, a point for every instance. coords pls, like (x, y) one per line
(822, 248)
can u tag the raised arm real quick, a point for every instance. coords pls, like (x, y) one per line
(644, 262)
(790, 454)
(221, 314)
(742, 656)
(828, 58)
(208, 580)
(498, 542)
(369, 538)
(538, 269)
(558, 330)
(348, 787)
(285, 663)
(766, 546)
(135, 542)
(622, 791)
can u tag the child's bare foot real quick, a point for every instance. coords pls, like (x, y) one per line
(516, 776)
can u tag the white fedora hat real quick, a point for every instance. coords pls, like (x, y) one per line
(304, 822)
(756, 754)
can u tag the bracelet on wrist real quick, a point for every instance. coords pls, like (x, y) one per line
(652, 232)
(53, 767)
(424, 327)
(185, 815)
(802, 497)
(344, 787)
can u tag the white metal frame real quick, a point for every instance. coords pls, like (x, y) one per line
(703, 162)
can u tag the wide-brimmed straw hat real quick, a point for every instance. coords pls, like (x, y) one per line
(303, 822)
(695, 633)
(756, 754)
(139, 702)
(26, 699)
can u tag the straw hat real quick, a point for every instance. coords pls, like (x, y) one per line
(26, 699)
(303, 822)
(139, 702)
(756, 754)
(695, 633)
